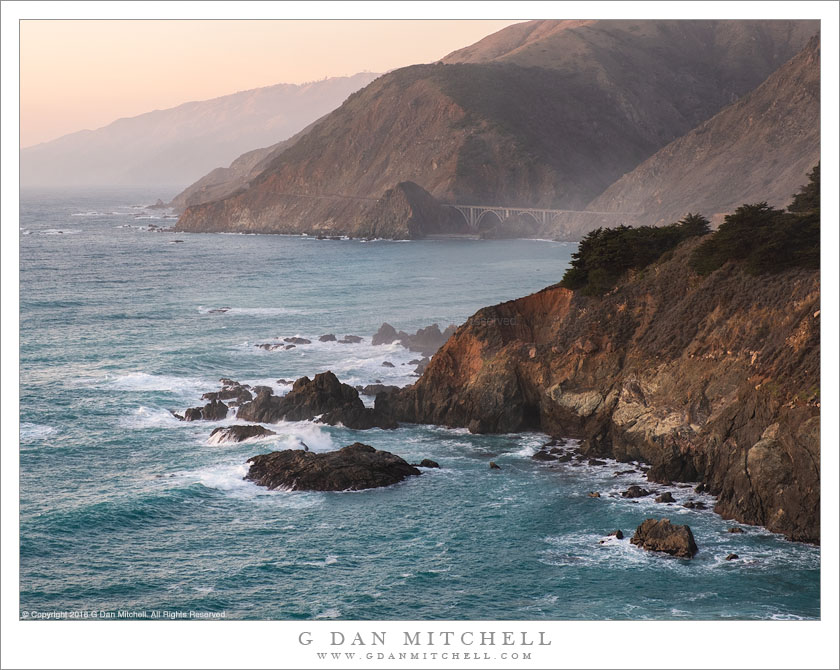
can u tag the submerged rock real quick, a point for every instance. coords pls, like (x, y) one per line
(224, 434)
(731, 557)
(388, 364)
(428, 463)
(543, 456)
(665, 537)
(493, 466)
(735, 529)
(327, 338)
(353, 468)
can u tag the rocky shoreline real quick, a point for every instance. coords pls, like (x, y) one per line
(711, 379)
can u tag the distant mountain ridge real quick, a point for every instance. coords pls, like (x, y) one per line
(757, 149)
(545, 113)
(176, 146)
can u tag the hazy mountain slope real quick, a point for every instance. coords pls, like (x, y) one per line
(222, 182)
(759, 148)
(178, 145)
(541, 136)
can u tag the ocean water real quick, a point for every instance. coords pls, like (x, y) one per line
(123, 507)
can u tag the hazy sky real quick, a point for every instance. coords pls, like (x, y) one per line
(85, 74)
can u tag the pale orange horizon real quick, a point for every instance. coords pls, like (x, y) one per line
(77, 75)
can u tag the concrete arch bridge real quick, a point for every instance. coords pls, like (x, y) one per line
(478, 215)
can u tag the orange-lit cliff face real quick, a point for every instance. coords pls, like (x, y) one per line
(713, 379)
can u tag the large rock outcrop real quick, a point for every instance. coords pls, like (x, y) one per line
(713, 378)
(353, 468)
(323, 396)
(665, 537)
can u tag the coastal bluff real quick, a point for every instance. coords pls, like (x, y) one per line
(712, 378)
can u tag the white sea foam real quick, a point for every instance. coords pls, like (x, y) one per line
(149, 417)
(248, 311)
(57, 231)
(331, 613)
(31, 432)
(141, 381)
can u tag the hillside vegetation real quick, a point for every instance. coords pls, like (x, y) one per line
(758, 237)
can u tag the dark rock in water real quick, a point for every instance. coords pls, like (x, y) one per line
(220, 310)
(285, 381)
(375, 389)
(426, 340)
(543, 456)
(289, 346)
(350, 339)
(385, 335)
(691, 504)
(428, 463)
(552, 443)
(215, 410)
(327, 338)
(297, 340)
(594, 494)
(666, 537)
(735, 529)
(555, 450)
(388, 364)
(731, 557)
(268, 346)
(238, 393)
(565, 458)
(421, 367)
(415, 361)
(353, 468)
(595, 461)
(358, 417)
(635, 492)
(617, 534)
(626, 472)
(700, 488)
(665, 498)
(238, 433)
(493, 466)
(263, 389)
(324, 395)
(160, 204)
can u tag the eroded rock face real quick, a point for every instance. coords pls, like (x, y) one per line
(664, 536)
(224, 434)
(323, 395)
(712, 379)
(353, 468)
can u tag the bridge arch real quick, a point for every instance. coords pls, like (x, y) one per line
(487, 217)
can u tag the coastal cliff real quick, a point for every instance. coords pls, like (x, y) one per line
(712, 378)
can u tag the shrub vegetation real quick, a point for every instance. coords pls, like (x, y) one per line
(760, 238)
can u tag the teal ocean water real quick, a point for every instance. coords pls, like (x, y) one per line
(123, 507)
